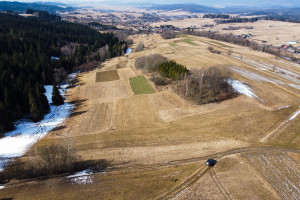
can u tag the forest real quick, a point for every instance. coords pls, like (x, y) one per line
(36, 51)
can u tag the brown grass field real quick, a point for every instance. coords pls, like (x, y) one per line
(107, 76)
(263, 30)
(153, 139)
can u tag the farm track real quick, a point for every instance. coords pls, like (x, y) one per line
(195, 177)
(201, 172)
(219, 184)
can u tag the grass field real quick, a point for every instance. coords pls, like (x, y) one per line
(140, 184)
(173, 44)
(274, 32)
(107, 76)
(137, 132)
(140, 85)
(188, 41)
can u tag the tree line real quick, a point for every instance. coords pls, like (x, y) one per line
(31, 56)
(213, 16)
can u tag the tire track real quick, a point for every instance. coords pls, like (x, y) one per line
(215, 178)
(279, 127)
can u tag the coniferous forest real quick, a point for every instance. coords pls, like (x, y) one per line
(33, 51)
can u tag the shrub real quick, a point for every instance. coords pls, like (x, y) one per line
(139, 47)
(160, 80)
(168, 35)
(49, 161)
(212, 50)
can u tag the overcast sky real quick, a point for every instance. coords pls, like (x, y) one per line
(256, 3)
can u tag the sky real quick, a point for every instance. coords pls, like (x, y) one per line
(216, 3)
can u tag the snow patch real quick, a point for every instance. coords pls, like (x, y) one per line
(282, 107)
(242, 88)
(83, 177)
(295, 86)
(128, 51)
(26, 133)
(1, 187)
(294, 115)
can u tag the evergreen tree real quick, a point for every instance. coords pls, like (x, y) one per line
(56, 97)
(34, 105)
(43, 101)
(6, 123)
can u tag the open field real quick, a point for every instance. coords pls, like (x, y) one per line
(107, 76)
(266, 175)
(158, 137)
(262, 30)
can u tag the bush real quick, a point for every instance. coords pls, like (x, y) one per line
(49, 161)
(160, 80)
(168, 35)
(212, 50)
(139, 47)
(149, 63)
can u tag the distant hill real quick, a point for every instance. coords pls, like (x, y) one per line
(195, 8)
(22, 7)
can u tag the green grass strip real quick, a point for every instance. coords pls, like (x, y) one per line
(140, 85)
(189, 41)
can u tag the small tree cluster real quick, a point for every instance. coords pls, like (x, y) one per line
(56, 97)
(172, 70)
(207, 85)
(168, 34)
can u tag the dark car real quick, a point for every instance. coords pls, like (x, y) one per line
(210, 162)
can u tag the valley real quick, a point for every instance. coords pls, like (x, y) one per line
(156, 141)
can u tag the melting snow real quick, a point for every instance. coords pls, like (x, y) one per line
(83, 177)
(128, 51)
(282, 107)
(243, 89)
(1, 187)
(26, 133)
(294, 115)
(255, 77)
(295, 86)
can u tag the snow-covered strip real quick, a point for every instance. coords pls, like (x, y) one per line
(1, 187)
(128, 51)
(83, 177)
(26, 133)
(282, 107)
(291, 63)
(295, 86)
(255, 77)
(278, 70)
(243, 89)
(294, 115)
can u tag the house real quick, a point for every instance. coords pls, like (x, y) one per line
(293, 42)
